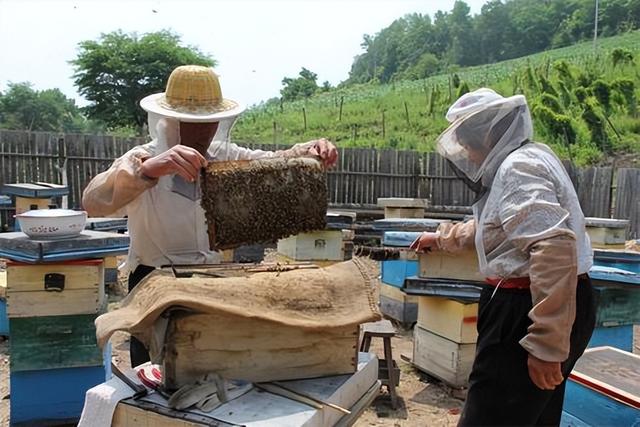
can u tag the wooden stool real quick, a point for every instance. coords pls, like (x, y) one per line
(388, 371)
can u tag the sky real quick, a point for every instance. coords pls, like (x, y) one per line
(256, 43)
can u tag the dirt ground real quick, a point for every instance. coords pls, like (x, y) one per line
(423, 400)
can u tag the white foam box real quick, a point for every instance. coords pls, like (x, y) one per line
(451, 319)
(607, 231)
(442, 358)
(445, 265)
(55, 289)
(324, 245)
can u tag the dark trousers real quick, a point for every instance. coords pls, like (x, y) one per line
(137, 350)
(500, 390)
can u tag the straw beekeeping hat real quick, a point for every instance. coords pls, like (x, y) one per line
(193, 94)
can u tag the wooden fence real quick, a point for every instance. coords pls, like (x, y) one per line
(362, 176)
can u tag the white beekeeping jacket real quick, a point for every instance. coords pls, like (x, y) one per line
(528, 194)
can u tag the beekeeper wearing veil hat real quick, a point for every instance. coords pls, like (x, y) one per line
(536, 314)
(156, 184)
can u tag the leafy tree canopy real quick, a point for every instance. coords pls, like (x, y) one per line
(116, 71)
(300, 87)
(22, 107)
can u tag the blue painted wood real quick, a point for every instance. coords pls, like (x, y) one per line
(625, 260)
(4, 320)
(394, 272)
(569, 420)
(17, 246)
(616, 305)
(401, 239)
(34, 191)
(616, 336)
(596, 409)
(614, 275)
(52, 394)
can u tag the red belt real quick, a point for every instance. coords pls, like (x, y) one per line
(517, 282)
(513, 283)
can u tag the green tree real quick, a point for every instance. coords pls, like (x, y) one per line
(300, 87)
(23, 108)
(116, 71)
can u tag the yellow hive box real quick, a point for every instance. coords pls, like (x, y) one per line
(448, 318)
(444, 265)
(55, 289)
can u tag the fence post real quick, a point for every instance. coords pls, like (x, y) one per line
(304, 116)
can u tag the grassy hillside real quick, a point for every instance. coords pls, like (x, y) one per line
(583, 104)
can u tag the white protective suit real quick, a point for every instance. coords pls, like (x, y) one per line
(528, 222)
(165, 227)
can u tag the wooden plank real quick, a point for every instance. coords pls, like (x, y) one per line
(253, 350)
(30, 304)
(129, 415)
(31, 277)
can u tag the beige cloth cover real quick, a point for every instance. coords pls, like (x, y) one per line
(335, 296)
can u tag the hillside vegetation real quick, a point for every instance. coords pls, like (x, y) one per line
(584, 104)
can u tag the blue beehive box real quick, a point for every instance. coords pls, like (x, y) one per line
(47, 396)
(620, 337)
(4, 320)
(624, 260)
(603, 390)
(394, 272)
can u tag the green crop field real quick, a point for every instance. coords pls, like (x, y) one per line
(584, 103)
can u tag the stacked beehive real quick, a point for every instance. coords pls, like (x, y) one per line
(445, 334)
(55, 291)
(403, 221)
(616, 279)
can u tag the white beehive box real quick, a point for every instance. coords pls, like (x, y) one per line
(324, 245)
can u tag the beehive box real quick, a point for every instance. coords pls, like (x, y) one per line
(461, 265)
(457, 321)
(254, 349)
(263, 200)
(323, 245)
(442, 358)
(70, 341)
(402, 207)
(604, 232)
(604, 389)
(55, 289)
(397, 305)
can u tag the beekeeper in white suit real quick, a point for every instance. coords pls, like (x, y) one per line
(537, 313)
(156, 184)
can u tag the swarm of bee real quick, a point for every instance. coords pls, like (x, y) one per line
(258, 201)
